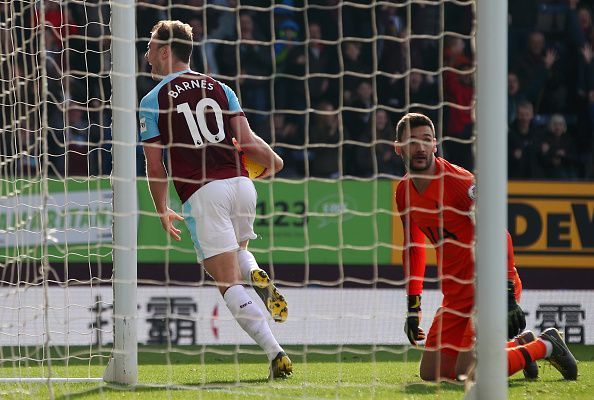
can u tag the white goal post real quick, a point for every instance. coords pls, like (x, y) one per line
(491, 204)
(123, 366)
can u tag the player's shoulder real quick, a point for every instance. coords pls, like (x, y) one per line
(401, 189)
(459, 181)
(150, 98)
(150, 101)
(453, 170)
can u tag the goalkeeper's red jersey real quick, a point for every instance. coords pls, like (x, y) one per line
(442, 213)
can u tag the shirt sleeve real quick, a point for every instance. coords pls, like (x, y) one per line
(462, 184)
(148, 118)
(234, 106)
(511, 264)
(413, 255)
(466, 187)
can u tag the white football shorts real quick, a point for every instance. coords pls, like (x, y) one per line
(220, 215)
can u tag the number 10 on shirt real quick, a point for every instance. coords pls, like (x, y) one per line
(201, 127)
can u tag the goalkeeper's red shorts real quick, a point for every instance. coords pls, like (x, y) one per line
(452, 330)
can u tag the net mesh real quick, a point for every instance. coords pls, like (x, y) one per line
(324, 83)
(55, 210)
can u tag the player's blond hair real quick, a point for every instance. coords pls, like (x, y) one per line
(413, 120)
(177, 35)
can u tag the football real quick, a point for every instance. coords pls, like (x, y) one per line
(254, 169)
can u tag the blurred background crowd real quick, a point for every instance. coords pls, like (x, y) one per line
(326, 83)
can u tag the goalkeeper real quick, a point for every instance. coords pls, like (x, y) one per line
(435, 201)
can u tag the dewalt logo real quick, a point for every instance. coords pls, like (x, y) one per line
(552, 224)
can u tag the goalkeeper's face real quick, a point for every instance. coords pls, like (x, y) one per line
(417, 149)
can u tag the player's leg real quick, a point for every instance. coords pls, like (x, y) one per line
(225, 271)
(274, 301)
(550, 346)
(530, 370)
(466, 357)
(437, 365)
(207, 215)
(243, 215)
(443, 345)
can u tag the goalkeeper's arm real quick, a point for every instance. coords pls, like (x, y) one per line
(412, 329)
(413, 260)
(516, 320)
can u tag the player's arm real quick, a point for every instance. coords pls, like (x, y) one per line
(413, 261)
(155, 169)
(413, 257)
(516, 321)
(157, 180)
(254, 147)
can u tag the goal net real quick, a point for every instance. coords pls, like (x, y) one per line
(324, 82)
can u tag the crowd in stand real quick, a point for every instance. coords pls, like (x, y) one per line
(326, 83)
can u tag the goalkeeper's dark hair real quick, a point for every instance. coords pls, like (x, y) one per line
(176, 34)
(413, 120)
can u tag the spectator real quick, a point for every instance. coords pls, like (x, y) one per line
(514, 95)
(327, 16)
(585, 112)
(459, 90)
(288, 141)
(324, 140)
(522, 20)
(287, 35)
(225, 26)
(57, 15)
(353, 62)
(423, 92)
(523, 139)
(322, 60)
(186, 10)
(286, 85)
(385, 135)
(357, 154)
(556, 153)
(542, 81)
(319, 59)
(252, 64)
(454, 53)
(198, 61)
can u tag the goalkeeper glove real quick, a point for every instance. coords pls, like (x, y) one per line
(516, 321)
(413, 317)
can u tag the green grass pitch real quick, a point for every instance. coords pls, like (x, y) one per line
(320, 372)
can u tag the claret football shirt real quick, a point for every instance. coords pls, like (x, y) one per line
(190, 114)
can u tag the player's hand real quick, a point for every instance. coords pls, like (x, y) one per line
(167, 219)
(516, 321)
(413, 317)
